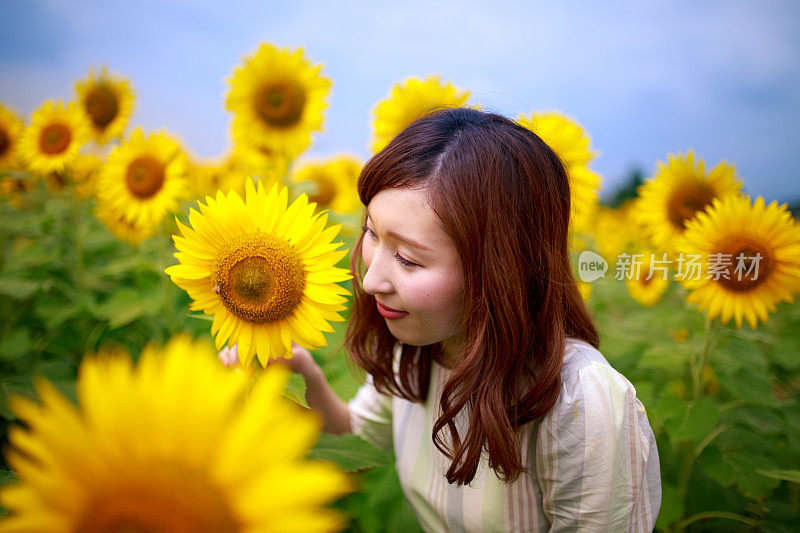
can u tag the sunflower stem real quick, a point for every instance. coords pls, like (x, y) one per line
(166, 289)
(698, 364)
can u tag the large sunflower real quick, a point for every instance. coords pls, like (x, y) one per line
(11, 127)
(107, 101)
(55, 136)
(266, 272)
(570, 141)
(277, 98)
(174, 444)
(680, 189)
(144, 178)
(408, 101)
(331, 182)
(750, 253)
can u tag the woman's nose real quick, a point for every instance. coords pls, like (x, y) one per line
(376, 279)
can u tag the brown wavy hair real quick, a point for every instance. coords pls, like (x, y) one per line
(503, 199)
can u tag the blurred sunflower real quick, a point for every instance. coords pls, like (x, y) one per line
(144, 178)
(611, 232)
(270, 166)
(647, 286)
(13, 189)
(11, 127)
(264, 270)
(85, 171)
(107, 101)
(55, 136)
(585, 289)
(750, 259)
(277, 98)
(174, 444)
(207, 177)
(408, 101)
(677, 193)
(331, 183)
(570, 141)
(122, 228)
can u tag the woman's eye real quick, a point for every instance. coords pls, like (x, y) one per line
(403, 261)
(368, 231)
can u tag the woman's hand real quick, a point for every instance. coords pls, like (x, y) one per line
(301, 362)
(319, 395)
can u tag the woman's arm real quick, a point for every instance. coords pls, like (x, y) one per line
(321, 398)
(597, 462)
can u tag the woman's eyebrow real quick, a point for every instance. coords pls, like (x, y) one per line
(406, 240)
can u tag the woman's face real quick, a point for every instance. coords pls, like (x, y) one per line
(413, 268)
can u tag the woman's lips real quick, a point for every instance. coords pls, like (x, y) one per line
(388, 312)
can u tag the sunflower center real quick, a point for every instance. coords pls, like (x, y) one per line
(747, 264)
(145, 176)
(169, 498)
(5, 142)
(54, 138)
(280, 104)
(260, 278)
(101, 106)
(326, 191)
(686, 201)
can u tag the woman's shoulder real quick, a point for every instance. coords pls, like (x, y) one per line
(589, 379)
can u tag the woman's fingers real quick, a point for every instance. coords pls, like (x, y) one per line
(229, 356)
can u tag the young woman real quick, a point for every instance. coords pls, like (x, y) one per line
(483, 372)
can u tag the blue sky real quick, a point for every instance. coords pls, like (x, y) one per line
(645, 78)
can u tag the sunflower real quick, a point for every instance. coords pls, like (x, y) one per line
(13, 189)
(585, 289)
(123, 229)
(85, 171)
(571, 143)
(266, 272)
(11, 127)
(144, 178)
(54, 138)
(175, 443)
(277, 98)
(107, 101)
(269, 166)
(331, 182)
(750, 259)
(679, 190)
(408, 101)
(650, 278)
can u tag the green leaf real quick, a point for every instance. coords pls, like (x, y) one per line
(717, 468)
(21, 385)
(783, 475)
(665, 357)
(349, 451)
(296, 389)
(18, 288)
(698, 420)
(671, 506)
(748, 481)
(787, 354)
(751, 385)
(15, 345)
(55, 312)
(125, 306)
(667, 409)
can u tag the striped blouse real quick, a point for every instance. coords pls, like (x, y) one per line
(592, 462)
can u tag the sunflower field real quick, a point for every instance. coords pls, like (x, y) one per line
(130, 269)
